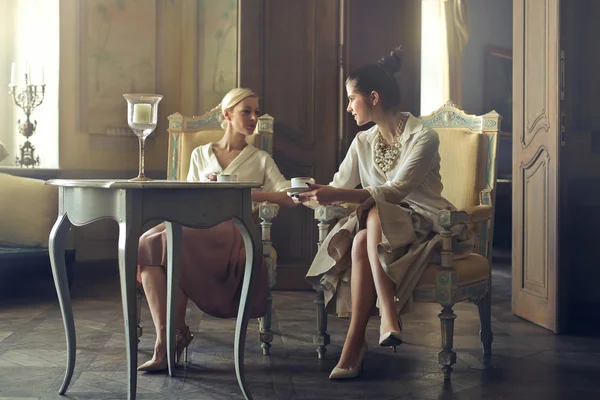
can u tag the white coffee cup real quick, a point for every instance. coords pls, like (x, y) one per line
(227, 178)
(302, 181)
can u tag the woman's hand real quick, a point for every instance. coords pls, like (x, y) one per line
(281, 198)
(296, 198)
(322, 194)
(211, 177)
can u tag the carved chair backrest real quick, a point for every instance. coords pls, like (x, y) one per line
(468, 145)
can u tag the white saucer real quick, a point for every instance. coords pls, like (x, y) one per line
(296, 190)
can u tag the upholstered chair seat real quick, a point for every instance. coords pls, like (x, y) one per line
(472, 276)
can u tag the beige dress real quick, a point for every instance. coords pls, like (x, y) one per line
(213, 260)
(408, 197)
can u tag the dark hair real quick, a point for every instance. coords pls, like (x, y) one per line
(380, 78)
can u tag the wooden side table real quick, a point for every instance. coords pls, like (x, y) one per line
(132, 205)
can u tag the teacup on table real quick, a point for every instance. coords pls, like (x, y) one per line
(227, 178)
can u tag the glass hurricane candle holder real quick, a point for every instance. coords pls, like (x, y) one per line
(142, 114)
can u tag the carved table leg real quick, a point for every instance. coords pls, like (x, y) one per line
(129, 234)
(253, 247)
(174, 238)
(59, 271)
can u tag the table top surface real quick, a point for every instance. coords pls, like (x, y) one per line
(154, 184)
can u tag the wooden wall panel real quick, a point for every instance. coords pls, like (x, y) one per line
(288, 54)
(372, 29)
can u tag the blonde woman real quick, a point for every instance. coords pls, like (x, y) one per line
(213, 259)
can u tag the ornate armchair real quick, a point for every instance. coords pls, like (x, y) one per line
(187, 133)
(468, 168)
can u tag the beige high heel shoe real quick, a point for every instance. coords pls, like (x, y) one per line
(392, 338)
(340, 373)
(183, 340)
(154, 365)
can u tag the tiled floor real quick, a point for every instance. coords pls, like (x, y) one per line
(528, 362)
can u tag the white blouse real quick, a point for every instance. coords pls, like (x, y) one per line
(251, 165)
(414, 178)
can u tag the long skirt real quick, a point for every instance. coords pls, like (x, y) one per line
(212, 267)
(410, 242)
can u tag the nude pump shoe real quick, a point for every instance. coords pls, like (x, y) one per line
(154, 366)
(182, 341)
(392, 338)
(340, 373)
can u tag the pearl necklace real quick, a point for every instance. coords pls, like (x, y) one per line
(386, 154)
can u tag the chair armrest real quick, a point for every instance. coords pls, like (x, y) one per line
(328, 213)
(479, 213)
(267, 210)
(448, 218)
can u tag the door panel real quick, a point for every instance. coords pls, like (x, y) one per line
(536, 160)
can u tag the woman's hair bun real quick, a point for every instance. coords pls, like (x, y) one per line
(392, 63)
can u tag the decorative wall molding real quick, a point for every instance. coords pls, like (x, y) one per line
(111, 66)
(536, 104)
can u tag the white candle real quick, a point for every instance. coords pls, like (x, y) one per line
(43, 80)
(13, 68)
(141, 113)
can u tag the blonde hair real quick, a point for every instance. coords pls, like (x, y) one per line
(232, 99)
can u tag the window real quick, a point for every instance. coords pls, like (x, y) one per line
(434, 59)
(29, 37)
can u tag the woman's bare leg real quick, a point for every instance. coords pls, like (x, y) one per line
(383, 284)
(363, 298)
(154, 281)
(181, 309)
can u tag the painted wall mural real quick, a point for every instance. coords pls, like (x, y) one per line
(118, 55)
(218, 52)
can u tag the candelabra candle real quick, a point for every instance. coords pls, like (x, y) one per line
(142, 116)
(28, 99)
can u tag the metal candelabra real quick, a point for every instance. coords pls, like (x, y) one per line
(30, 97)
